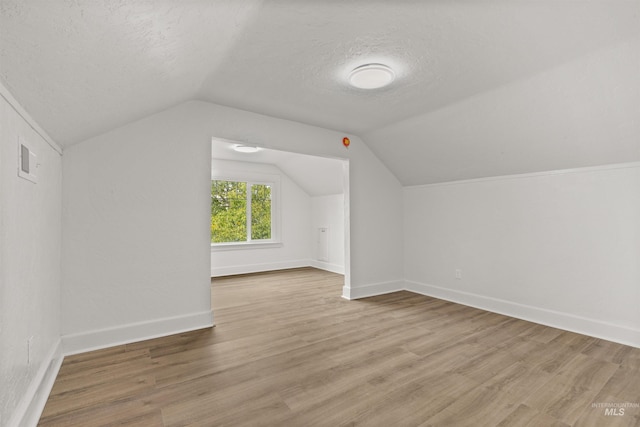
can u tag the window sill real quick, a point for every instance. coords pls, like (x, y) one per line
(215, 247)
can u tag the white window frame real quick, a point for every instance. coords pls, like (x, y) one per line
(252, 178)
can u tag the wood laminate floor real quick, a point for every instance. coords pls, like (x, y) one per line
(289, 351)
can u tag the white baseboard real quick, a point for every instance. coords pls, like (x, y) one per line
(258, 268)
(134, 332)
(356, 292)
(31, 405)
(556, 319)
(334, 268)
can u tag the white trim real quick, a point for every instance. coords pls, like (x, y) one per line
(31, 405)
(346, 174)
(587, 169)
(258, 268)
(134, 332)
(373, 289)
(581, 325)
(8, 96)
(322, 265)
(565, 321)
(254, 244)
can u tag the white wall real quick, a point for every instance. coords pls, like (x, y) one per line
(328, 211)
(295, 219)
(559, 248)
(375, 255)
(30, 234)
(136, 247)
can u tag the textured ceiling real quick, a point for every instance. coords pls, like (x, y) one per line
(82, 67)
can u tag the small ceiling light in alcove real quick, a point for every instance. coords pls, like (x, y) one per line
(245, 148)
(371, 76)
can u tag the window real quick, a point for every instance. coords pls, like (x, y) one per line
(260, 212)
(242, 212)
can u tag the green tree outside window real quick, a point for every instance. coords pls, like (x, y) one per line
(229, 200)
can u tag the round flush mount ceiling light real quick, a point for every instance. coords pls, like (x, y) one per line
(371, 76)
(245, 148)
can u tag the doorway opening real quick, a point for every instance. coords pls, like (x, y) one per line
(308, 204)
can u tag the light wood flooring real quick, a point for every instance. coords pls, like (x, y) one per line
(289, 351)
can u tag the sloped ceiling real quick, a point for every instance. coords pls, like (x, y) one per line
(83, 67)
(317, 176)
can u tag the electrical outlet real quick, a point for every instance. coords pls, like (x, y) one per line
(458, 273)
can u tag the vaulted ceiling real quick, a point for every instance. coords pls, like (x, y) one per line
(316, 176)
(483, 87)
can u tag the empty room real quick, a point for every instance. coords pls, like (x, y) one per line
(320, 213)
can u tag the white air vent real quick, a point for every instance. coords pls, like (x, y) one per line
(27, 162)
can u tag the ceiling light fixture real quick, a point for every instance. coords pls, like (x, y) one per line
(245, 148)
(371, 76)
